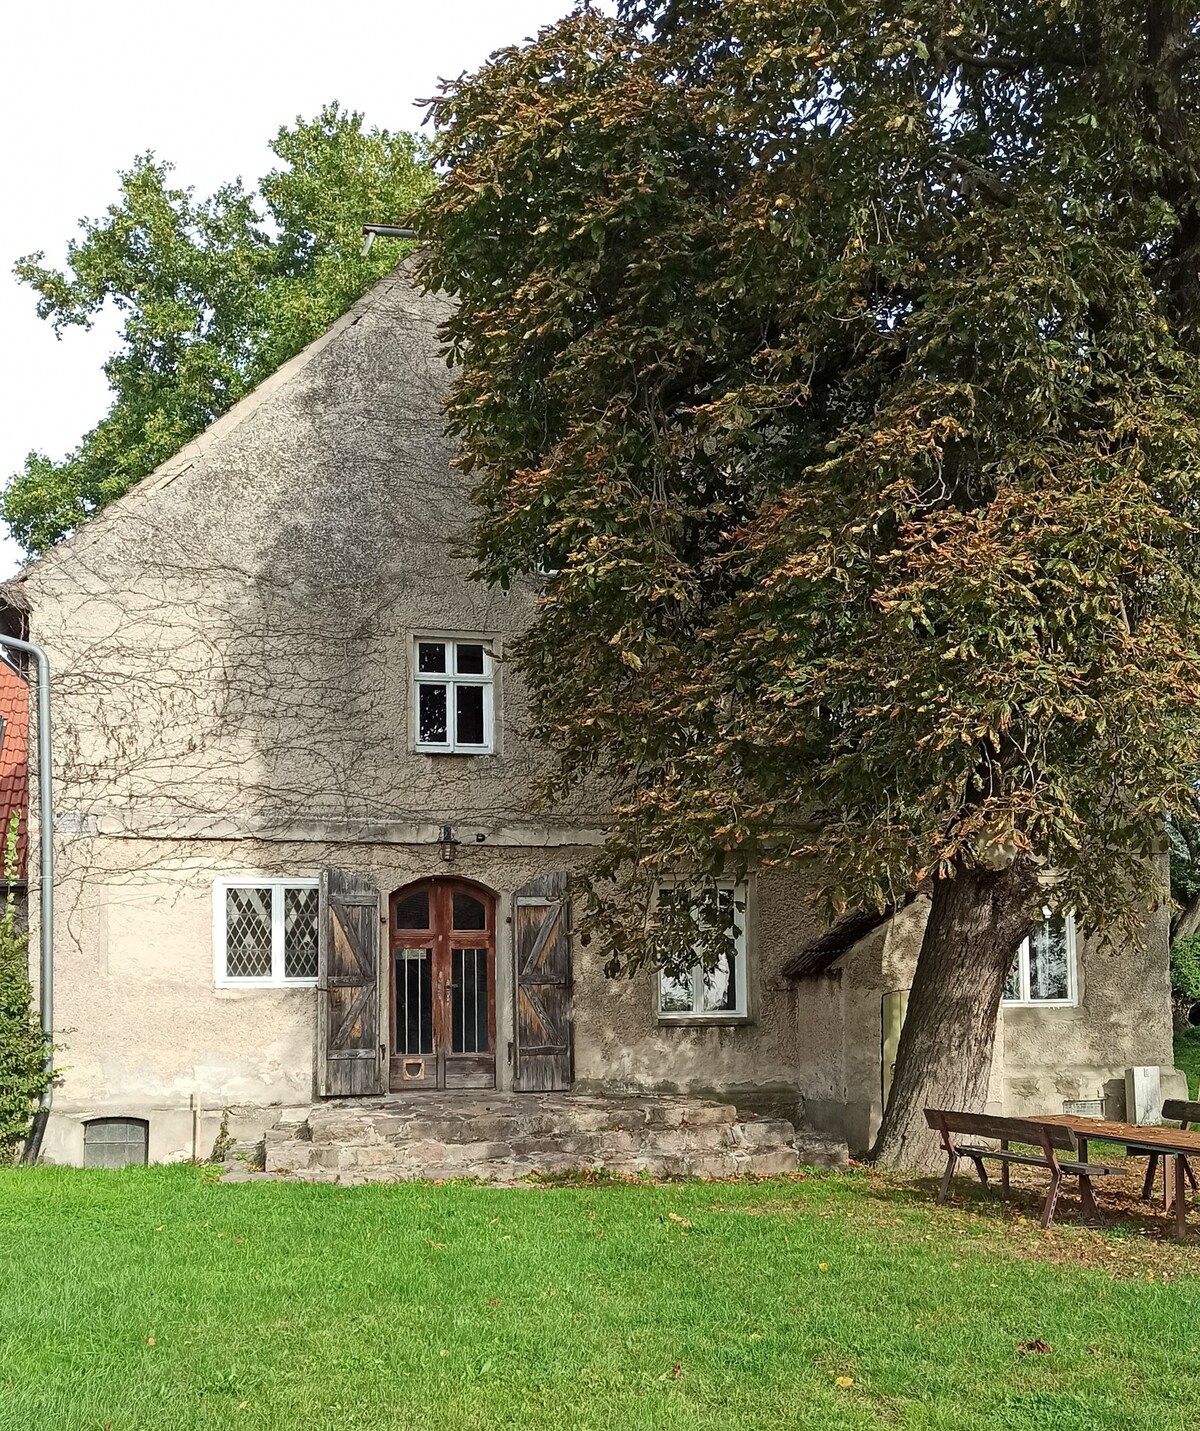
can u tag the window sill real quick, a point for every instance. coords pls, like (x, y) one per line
(1039, 1004)
(224, 985)
(704, 1021)
(441, 750)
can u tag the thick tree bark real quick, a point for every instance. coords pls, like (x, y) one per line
(976, 921)
(1186, 920)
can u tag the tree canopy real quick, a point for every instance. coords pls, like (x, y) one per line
(214, 294)
(840, 364)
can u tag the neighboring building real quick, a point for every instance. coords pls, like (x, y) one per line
(14, 782)
(297, 854)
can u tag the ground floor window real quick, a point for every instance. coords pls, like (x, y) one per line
(265, 932)
(115, 1142)
(702, 993)
(1044, 969)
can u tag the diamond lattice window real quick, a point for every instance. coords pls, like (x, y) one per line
(248, 933)
(300, 933)
(267, 932)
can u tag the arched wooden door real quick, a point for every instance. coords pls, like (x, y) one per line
(442, 935)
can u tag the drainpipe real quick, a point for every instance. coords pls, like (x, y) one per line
(33, 1146)
(373, 231)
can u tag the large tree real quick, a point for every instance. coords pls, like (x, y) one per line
(839, 366)
(214, 294)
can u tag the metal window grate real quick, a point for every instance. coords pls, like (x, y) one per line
(115, 1142)
(1084, 1107)
(248, 933)
(300, 933)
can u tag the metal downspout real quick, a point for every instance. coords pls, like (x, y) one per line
(33, 1146)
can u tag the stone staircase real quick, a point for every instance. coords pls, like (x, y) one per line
(506, 1137)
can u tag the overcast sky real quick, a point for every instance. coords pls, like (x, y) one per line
(87, 86)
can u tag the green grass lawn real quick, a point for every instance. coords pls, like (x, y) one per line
(154, 1298)
(1187, 1057)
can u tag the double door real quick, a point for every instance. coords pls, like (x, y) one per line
(442, 946)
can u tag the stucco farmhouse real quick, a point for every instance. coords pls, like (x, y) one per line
(298, 857)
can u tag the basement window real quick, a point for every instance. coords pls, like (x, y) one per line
(115, 1142)
(705, 994)
(453, 688)
(1043, 972)
(265, 933)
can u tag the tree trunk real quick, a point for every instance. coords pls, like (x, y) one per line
(976, 922)
(1186, 920)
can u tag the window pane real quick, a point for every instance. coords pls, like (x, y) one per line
(675, 995)
(469, 709)
(469, 1001)
(414, 1001)
(248, 933)
(1048, 960)
(468, 659)
(431, 656)
(432, 715)
(1012, 985)
(720, 992)
(469, 912)
(300, 933)
(412, 910)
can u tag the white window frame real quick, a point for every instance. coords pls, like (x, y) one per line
(451, 679)
(695, 1015)
(1024, 1001)
(276, 979)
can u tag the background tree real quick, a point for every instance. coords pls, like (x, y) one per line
(214, 294)
(840, 365)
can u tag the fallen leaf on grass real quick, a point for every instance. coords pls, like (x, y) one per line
(845, 1382)
(151, 1341)
(1037, 1345)
(677, 1220)
(434, 1244)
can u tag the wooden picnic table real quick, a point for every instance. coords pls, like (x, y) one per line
(1172, 1144)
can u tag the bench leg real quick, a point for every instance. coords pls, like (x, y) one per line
(1168, 1167)
(947, 1176)
(1087, 1200)
(1004, 1181)
(1151, 1174)
(982, 1171)
(1180, 1200)
(1051, 1200)
(1191, 1176)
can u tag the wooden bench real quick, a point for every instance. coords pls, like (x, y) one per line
(1046, 1140)
(1185, 1113)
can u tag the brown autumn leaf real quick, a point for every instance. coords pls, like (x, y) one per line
(1036, 1346)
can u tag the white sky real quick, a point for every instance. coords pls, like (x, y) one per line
(87, 86)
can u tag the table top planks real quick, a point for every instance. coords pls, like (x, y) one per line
(1157, 1138)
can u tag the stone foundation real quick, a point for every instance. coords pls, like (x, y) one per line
(505, 1138)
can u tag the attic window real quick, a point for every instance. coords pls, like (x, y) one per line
(453, 695)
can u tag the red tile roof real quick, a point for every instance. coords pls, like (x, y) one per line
(14, 762)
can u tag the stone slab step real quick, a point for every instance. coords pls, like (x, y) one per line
(509, 1137)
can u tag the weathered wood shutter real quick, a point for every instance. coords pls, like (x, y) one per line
(350, 978)
(543, 1054)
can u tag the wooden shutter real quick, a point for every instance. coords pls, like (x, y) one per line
(350, 978)
(543, 1051)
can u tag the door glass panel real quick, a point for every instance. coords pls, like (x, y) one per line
(469, 912)
(468, 704)
(468, 659)
(469, 1001)
(431, 656)
(412, 910)
(414, 1001)
(432, 714)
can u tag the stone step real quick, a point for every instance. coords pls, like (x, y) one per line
(507, 1137)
